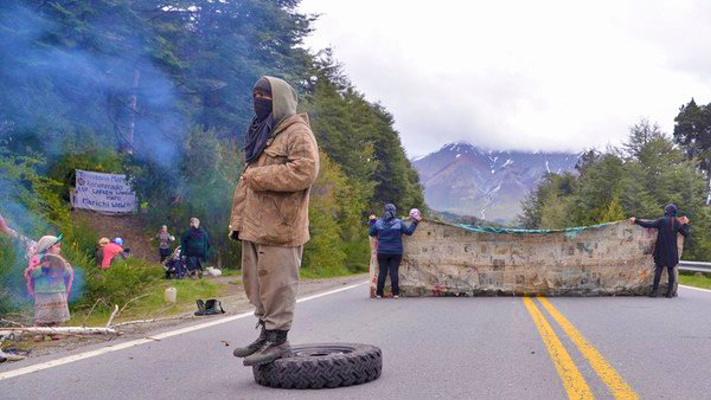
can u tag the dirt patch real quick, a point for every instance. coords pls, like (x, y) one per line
(132, 228)
(234, 301)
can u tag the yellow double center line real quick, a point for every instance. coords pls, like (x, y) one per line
(573, 381)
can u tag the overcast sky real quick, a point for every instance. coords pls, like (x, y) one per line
(521, 74)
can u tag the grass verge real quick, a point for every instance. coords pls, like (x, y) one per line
(152, 303)
(696, 281)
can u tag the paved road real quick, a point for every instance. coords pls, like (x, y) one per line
(433, 348)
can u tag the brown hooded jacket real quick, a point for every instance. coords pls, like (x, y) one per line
(271, 202)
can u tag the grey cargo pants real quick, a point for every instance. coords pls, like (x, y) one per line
(271, 281)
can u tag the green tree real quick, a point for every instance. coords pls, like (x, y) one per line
(637, 179)
(692, 131)
(614, 212)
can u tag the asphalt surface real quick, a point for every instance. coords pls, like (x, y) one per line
(433, 348)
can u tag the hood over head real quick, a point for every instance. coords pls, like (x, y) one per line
(283, 105)
(671, 210)
(284, 98)
(390, 212)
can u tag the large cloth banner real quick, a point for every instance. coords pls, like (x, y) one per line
(110, 193)
(441, 259)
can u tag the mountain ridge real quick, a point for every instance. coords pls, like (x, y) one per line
(489, 184)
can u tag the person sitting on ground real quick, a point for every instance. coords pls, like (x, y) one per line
(165, 240)
(99, 255)
(112, 250)
(389, 230)
(49, 282)
(175, 266)
(666, 250)
(195, 245)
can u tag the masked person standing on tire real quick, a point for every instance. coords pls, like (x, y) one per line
(270, 213)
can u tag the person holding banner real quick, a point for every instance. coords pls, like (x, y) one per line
(389, 230)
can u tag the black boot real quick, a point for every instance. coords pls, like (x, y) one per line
(254, 346)
(213, 307)
(274, 348)
(670, 283)
(210, 307)
(657, 277)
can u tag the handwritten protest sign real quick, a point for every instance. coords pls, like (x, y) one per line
(104, 192)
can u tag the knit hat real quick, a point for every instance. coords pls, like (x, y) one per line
(46, 242)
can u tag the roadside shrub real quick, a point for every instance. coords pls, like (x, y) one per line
(11, 269)
(125, 280)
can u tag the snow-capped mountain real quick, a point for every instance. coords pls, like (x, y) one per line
(467, 180)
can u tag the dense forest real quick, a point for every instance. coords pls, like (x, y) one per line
(638, 178)
(161, 91)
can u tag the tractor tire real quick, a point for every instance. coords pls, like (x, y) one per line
(323, 365)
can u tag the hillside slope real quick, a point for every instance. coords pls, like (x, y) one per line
(464, 179)
(132, 228)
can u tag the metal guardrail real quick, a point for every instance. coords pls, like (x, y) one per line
(695, 266)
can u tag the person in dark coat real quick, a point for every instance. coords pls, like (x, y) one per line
(389, 231)
(194, 247)
(666, 251)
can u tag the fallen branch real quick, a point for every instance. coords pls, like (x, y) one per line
(83, 322)
(61, 330)
(11, 322)
(146, 321)
(113, 315)
(132, 300)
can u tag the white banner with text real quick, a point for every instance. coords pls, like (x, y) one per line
(110, 193)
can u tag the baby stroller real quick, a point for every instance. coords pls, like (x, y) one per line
(175, 266)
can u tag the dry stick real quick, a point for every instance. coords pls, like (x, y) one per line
(132, 300)
(23, 316)
(163, 311)
(113, 315)
(12, 322)
(145, 321)
(61, 330)
(83, 322)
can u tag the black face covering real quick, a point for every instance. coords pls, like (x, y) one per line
(262, 124)
(262, 107)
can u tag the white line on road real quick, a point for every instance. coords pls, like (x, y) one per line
(695, 288)
(164, 335)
